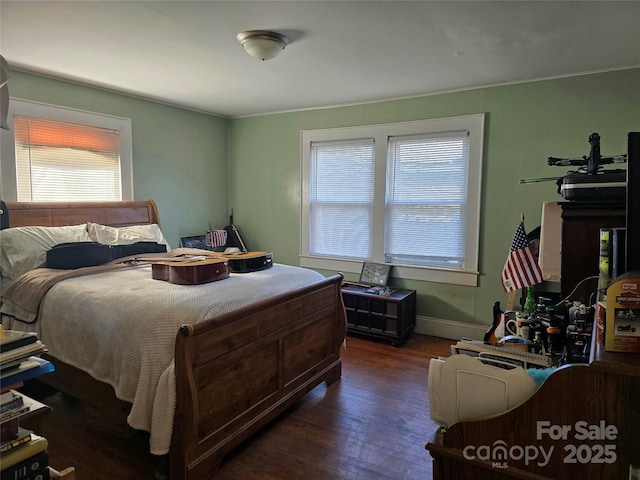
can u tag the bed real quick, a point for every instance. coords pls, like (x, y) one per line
(215, 374)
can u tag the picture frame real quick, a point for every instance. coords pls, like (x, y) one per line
(375, 274)
(194, 241)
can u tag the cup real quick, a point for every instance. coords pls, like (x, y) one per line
(510, 317)
(520, 326)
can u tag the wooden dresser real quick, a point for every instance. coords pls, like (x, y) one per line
(581, 224)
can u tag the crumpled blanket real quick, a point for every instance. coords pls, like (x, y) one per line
(22, 299)
(120, 327)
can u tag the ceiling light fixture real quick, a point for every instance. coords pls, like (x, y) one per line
(262, 44)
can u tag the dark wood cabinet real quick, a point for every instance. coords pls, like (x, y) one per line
(581, 224)
(391, 317)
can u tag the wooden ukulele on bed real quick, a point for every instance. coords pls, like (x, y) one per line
(189, 270)
(245, 262)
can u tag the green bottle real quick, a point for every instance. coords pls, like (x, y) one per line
(530, 302)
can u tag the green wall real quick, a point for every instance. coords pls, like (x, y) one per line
(524, 124)
(179, 156)
(198, 166)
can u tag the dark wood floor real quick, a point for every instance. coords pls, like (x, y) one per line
(372, 424)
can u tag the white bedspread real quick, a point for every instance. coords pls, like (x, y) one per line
(121, 327)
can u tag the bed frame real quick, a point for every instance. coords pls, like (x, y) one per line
(234, 373)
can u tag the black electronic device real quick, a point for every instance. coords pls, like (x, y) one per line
(600, 186)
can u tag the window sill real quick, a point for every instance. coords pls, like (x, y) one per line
(455, 277)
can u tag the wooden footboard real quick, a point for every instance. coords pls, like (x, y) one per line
(234, 374)
(237, 372)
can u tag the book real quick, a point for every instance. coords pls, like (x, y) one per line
(35, 467)
(13, 413)
(10, 400)
(14, 456)
(6, 366)
(25, 351)
(15, 338)
(22, 366)
(9, 428)
(34, 367)
(9, 419)
(44, 474)
(8, 388)
(23, 436)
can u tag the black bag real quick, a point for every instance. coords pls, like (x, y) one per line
(73, 255)
(78, 254)
(119, 251)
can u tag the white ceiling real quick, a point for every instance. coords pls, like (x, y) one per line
(185, 52)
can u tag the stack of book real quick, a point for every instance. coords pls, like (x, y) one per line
(23, 453)
(20, 358)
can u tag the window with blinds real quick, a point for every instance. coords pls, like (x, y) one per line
(426, 199)
(405, 194)
(341, 203)
(61, 161)
(54, 153)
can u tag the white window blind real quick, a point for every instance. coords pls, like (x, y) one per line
(341, 198)
(426, 199)
(61, 161)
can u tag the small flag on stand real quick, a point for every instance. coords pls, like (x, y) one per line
(521, 268)
(216, 238)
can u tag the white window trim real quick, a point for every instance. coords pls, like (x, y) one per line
(468, 276)
(8, 187)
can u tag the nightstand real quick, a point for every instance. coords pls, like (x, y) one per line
(391, 317)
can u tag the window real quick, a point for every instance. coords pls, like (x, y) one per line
(341, 199)
(58, 154)
(404, 194)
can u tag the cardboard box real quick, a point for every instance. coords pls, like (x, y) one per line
(550, 251)
(622, 324)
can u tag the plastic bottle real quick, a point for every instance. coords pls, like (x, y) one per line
(530, 302)
(538, 344)
(554, 334)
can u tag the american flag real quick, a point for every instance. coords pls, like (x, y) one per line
(521, 268)
(217, 238)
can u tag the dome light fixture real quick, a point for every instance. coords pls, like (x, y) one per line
(262, 44)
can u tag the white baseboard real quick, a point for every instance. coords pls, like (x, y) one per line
(437, 327)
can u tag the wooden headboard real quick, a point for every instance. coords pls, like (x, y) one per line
(57, 214)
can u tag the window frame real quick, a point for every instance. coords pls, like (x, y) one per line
(473, 123)
(9, 188)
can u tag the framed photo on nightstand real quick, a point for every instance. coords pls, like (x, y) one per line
(375, 274)
(194, 241)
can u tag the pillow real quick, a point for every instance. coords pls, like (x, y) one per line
(5, 282)
(24, 248)
(126, 235)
